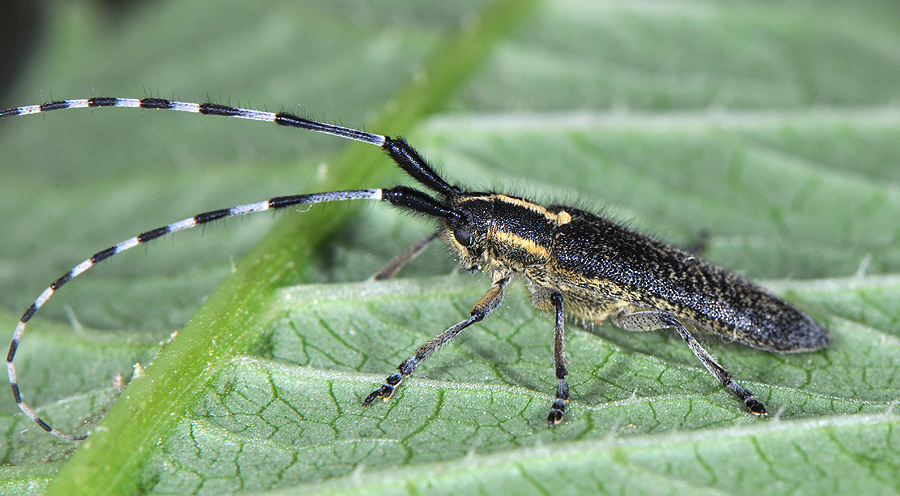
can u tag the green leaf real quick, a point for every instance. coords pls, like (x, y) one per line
(772, 127)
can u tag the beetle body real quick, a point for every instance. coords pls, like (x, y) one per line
(576, 264)
(603, 268)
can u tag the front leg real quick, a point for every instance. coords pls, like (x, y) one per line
(490, 301)
(399, 261)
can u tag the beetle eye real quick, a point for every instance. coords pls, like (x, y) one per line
(463, 236)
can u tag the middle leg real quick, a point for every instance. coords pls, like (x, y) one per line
(559, 363)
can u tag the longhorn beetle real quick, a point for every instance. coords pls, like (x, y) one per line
(574, 263)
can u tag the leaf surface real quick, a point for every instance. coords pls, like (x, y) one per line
(771, 127)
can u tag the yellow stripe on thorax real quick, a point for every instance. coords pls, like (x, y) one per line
(561, 218)
(525, 244)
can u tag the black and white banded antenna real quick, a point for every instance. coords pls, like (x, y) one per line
(401, 196)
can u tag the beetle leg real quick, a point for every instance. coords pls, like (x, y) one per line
(393, 266)
(559, 363)
(650, 320)
(490, 301)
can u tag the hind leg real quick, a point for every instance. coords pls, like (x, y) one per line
(651, 321)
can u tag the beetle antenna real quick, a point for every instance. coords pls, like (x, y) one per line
(191, 222)
(404, 155)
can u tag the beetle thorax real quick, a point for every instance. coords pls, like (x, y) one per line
(502, 233)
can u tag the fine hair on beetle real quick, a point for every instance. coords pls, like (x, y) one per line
(574, 263)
